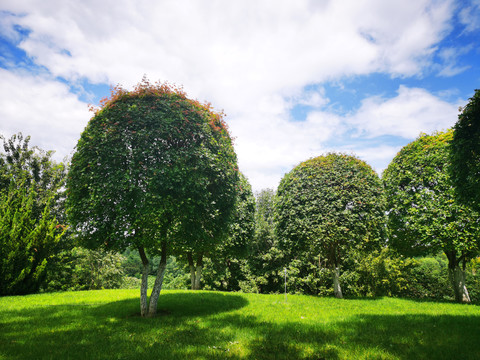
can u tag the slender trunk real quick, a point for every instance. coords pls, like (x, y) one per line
(192, 270)
(336, 283)
(198, 273)
(198, 276)
(456, 276)
(157, 287)
(144, 286)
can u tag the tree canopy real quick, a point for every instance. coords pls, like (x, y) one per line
(465, 153)
(424, 217)
(327, 205)
(153, 170)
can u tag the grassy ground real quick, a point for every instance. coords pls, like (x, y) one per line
(212, 325)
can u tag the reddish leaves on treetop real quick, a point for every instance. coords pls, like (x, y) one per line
(165, 89)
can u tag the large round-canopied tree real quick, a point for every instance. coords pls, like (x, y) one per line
(153, 170)
(465, 154)
(328, 205)
(423, 214)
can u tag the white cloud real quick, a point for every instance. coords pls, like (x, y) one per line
(378, 157)
(412, 111)
(42, 108)
(269, 144)
(231, 51)
(470, 16)
(450, 57)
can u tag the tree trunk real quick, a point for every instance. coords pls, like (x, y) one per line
(157, 287)
(144, 286)
(457, 280)
(337, 290)
(195, 271)
(198, 273)
(456, 276)
(192, 270)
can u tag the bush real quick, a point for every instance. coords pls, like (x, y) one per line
(378, 273)
(84, 269)
(431, 278)
(27, 241)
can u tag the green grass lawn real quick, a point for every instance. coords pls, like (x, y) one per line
(214, 325)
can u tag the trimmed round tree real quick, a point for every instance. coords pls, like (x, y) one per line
(465, 153)
(423, 214)
(153, 170)
(328, 205)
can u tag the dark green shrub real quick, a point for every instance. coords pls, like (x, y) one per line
(84, 269)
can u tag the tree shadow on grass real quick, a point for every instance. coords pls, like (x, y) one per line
(206, 325)
(113, 330)
(199, 303)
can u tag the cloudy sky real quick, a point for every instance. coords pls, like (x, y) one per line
(296, 78)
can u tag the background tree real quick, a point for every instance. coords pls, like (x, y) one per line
(206, 226)
(328, 205)
(30, 206)
(27, 241)
(83, 269)
(152, 170)
(226, 263)
(265, 258)
(424, 217)
(465, 153)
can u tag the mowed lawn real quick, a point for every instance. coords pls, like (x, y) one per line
(214, 325)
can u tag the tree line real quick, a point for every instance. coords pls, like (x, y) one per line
(155, 173)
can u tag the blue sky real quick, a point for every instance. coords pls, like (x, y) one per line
(296, 78)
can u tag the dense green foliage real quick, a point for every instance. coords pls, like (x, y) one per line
(225, 265)
(326, 207)
(465, 153)
(379, 273)
(215, 325)
(30, 210)
(424, 217)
